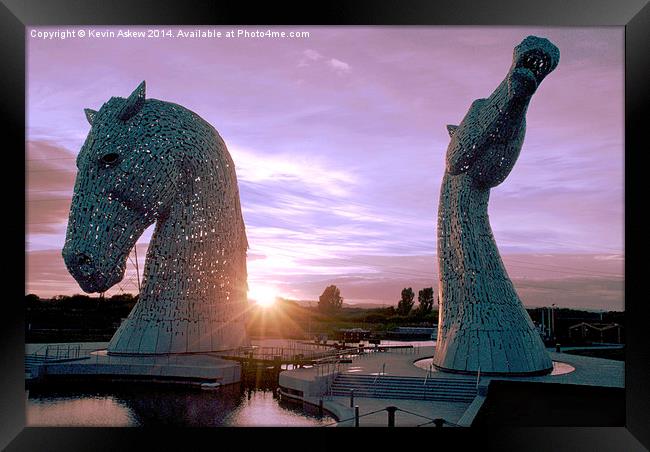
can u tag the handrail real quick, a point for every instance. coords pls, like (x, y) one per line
(383, 371)
(75, 350)
(351, 419)
(61, 351)
(330, 375)
(430, 420)
(428, 374)
(478, 377)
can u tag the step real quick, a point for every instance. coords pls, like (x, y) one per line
(415, 397)
(400, 391)
(396, 378)
(440, 375)
(408, 382)
(406, 393)
(401, 388)
(409, 385)
(414, 387)
(396, 387)
(410, 390)
(396, 390)
(35, 359)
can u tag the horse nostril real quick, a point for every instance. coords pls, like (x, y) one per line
(83, 259)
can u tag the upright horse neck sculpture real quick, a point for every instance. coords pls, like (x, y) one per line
(483, 324)
(147, 161)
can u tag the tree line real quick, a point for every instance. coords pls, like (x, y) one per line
(331, 301)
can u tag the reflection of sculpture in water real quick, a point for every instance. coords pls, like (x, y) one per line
(483, 324)
(147, 161)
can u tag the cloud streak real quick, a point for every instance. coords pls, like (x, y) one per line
(340, 67)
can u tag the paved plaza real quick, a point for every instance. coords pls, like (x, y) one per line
(588, 371)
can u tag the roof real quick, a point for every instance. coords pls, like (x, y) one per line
(597, 326)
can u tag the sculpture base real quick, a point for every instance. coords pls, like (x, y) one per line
(497, 374)
(136, 336)
(180, 368)
(497, 339)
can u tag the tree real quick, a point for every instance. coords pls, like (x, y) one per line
(330, 300)
(425, 300)
(406, 303)
(32, 298)
(125, 298)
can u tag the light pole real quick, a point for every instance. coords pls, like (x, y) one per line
(553, 321)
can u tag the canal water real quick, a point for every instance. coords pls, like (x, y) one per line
(141, 406)
(241, 405)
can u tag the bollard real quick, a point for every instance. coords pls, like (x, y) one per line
(356, 416)
(557, 348)
(351, 398)
(438, 422)
(320, 407)
(391, 415)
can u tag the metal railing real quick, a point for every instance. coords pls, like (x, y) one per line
(53, 352)
(289, 353)
(439, 422)
(429, 372)
(382, 372)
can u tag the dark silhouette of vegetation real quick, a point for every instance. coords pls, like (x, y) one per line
(425, 300)
(330, 301)
(77, 317)
(81, 318)
(406, 302)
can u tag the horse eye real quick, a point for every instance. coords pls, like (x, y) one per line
(109, 159)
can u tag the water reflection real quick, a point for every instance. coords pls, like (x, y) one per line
(74, 410)
(229, 406)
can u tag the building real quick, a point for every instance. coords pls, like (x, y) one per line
(596, 332)
(413, 333)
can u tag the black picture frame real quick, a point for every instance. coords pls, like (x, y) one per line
(634, 15)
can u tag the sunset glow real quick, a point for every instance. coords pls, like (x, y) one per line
(264, 296)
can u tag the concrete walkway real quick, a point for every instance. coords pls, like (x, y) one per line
(588, 371)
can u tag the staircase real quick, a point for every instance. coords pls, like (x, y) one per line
(32, 363)
(412, 388)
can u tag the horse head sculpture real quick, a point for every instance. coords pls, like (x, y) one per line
(147, 161)
(483, 325)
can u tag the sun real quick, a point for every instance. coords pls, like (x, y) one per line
(264, 296)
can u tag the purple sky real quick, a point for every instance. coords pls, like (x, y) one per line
(339, 143)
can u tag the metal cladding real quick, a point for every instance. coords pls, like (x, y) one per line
(147, 161)
(483, 324)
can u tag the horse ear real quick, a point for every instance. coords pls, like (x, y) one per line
(90, 115)
(134, 102)
(451, 129)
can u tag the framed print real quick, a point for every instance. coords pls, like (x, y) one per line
(357, 215)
